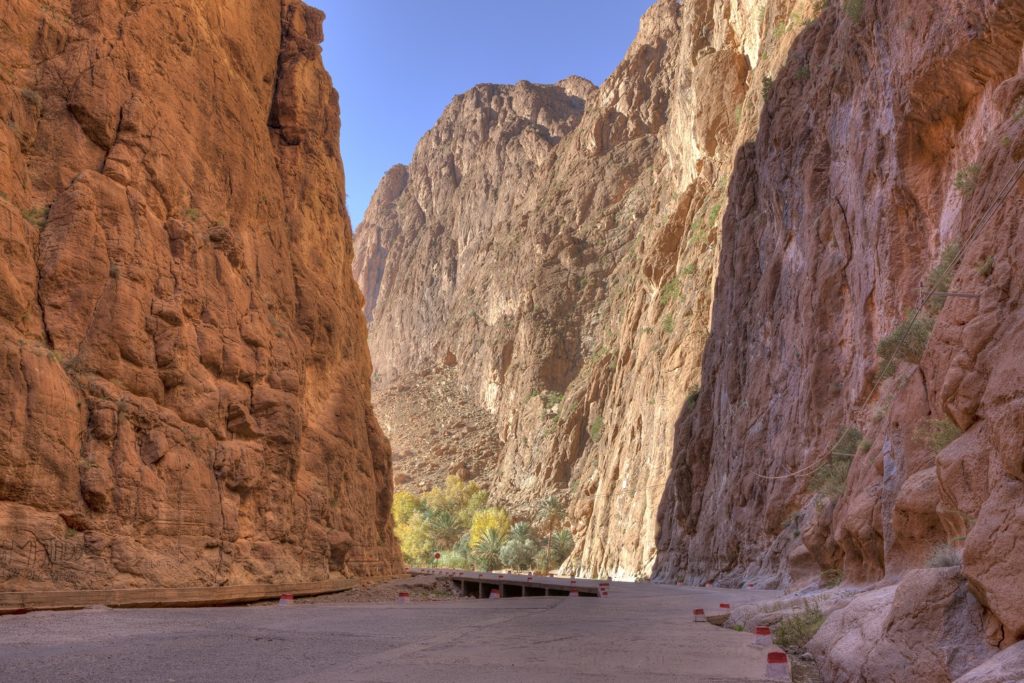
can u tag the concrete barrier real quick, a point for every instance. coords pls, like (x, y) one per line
(763, 636)
(778, 667)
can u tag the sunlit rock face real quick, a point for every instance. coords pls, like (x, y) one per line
(184, 374)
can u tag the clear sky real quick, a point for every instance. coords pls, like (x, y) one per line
(397, 64)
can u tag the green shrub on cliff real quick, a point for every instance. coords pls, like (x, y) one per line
(906, 343)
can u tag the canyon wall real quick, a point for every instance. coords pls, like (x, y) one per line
(551, 250)
(673, 306)
(887, 166)
(184, 373)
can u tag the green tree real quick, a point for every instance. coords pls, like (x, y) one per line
(415, 539)
(444, 528)
(518, 552)
(487, 549)
(561, 545)
(521, 531)
(486, 520)
(403, 505)
(549, 515)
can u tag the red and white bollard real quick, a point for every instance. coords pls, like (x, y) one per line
(286, 599)
(573, 593)
(403, 598)
(778, 667)
(602, 589)
(698, 615)
(495, 594)
(763, 636)
(723, 605)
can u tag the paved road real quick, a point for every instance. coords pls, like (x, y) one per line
(642, 632)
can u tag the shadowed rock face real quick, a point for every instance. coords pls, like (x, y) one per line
(887, 136)
(184, 375)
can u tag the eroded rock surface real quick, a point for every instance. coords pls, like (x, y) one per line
(861, 177)
(928, 628)
(184, 375)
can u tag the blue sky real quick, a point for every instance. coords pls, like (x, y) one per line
(398, 64)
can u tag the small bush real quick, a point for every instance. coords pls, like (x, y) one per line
(668, 324)
(830, 478)
(596, 427)
(192, 214)
(830, 578)
(738, 627)
(713, 214)
(37, 216)
(944, 555)
(966, 181)
(670, 291)
(691, 398)
(848, 441)
(854, 9)
(551, 399)
(937, 434)
(766, 86)
(986, 266)
(690, 269)
(906, 343)
(941, 277)
(793, 633)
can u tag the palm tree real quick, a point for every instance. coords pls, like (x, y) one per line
(521, 531)
(487, 549)
(444, 528)
(562, 544)
(550, 515)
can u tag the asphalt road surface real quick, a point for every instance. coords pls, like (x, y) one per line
(641, 632)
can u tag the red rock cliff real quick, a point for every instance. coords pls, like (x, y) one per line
(184, 374)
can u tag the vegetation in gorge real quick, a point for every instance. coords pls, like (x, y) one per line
(794, 632)
(457, 522)
(906, 343)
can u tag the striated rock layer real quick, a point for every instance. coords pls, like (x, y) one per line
(184, 375)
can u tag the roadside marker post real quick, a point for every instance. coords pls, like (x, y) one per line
(763, 636)
(286, 599)
(403, 598)
(778, 667)
(724, 605)
(698, 615)
(495, 595)
(574, 593)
